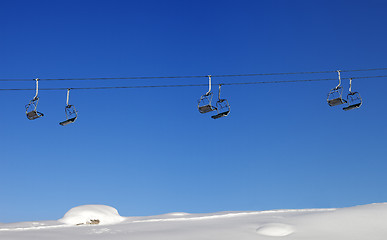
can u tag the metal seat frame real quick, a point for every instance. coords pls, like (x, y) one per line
(205, 101)
(222, 107)
(31, 107)
(335, 95)
(337, 91)
(71, 112)
(354, 99)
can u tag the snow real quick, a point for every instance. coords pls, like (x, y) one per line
(354, 223)
(88, 214)
(275, 230)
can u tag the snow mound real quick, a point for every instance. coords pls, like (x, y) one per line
(178, 214)
(275, 230)
(92, 214)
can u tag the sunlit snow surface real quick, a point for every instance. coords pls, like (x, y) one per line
(84, 214)
(367, 222)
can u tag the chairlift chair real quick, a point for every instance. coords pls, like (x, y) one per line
(335, 96)
(205, 101)
(353, 99)
(71, 115)
(222, 107)
(71, 112)
(204, 104)
(31, 111)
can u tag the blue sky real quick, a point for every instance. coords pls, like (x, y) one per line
(149, 151)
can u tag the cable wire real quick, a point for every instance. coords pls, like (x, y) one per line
(191, 85)
(182, 77)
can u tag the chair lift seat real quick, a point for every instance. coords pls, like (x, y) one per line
(350, 107)
(219, 115)
(34, 115)
(336, 101)
(68, 121)
(206, 108)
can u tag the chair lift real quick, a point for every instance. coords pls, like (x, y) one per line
(32, 105)
(353, 98)
(335, 96)
(71, 113)
(204, 103)
(222, 107)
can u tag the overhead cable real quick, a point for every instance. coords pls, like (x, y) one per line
(183, 77)
(192, 85)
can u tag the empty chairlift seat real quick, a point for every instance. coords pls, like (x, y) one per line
(335, 97)
(68, 121)
(354, 99)
(32, 115)
(222, 107)
(31, 111)
(71, 112)
(205, 103)
(71, 115)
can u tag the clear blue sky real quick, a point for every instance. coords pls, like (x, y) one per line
(149, 151)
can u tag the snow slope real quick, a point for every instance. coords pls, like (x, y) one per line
(367, 222)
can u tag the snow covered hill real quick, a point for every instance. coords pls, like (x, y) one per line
(92, 222)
